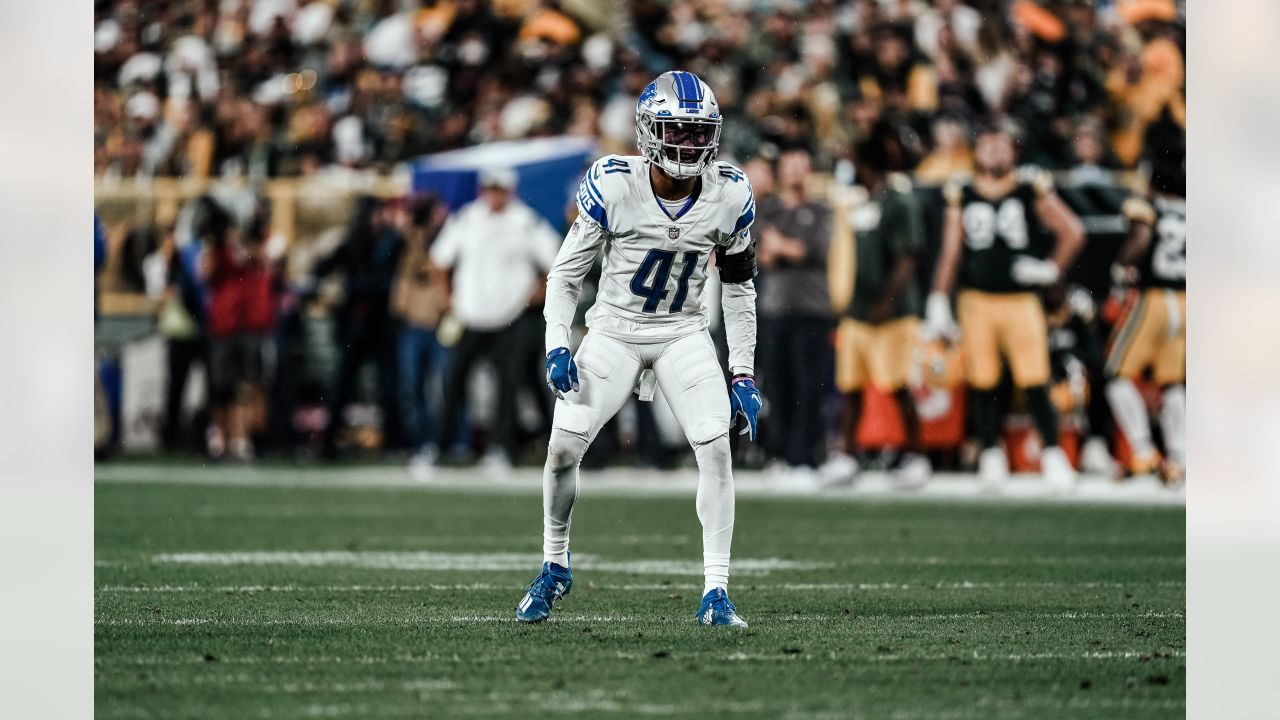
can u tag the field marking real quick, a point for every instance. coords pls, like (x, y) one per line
(737, 656)
(632, 482)
(417, 560)
(482, 562)
(626, 587)
(469, 618)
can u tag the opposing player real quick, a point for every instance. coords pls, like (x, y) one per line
(657, 218)
(1153, 334)
(990, 241)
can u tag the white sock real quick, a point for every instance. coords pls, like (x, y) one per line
(1173, 422)
(715, 510)
(559, 490)
(1131, 415)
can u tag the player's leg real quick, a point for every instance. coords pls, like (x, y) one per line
(688, 371)
(975, 313)
(1025, 340)
(607, 371)
(1171, 373)
(850, 375)
(890, 369)
(1133, 349)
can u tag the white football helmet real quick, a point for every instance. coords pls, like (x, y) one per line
(678, 124)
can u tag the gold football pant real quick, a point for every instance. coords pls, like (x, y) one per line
(1152, 335)
(1011, 325)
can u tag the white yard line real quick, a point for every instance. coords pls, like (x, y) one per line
(419, 561)
(638, 482)
(624, 587)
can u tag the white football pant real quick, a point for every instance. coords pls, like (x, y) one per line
(689, 376)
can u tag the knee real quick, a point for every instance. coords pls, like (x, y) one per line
(715, 456)
(565, 450)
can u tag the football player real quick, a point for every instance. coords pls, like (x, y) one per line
(1153, 333)
(657, 219)
(989, 243)
(879, 332)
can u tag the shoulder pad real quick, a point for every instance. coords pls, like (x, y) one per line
(1138, 210)
(603, 185)
(953, 191)
(1040, 180)
(735, 190)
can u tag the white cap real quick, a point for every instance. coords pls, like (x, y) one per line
(502, 177)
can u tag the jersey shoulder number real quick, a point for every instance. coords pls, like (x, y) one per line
(604, 188)
(736, 192)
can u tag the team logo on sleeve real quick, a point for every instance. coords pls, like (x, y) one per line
(673, 232)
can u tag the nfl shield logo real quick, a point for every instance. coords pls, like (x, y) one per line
(673, 232)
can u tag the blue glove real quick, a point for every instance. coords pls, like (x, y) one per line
(744, 400)
(562, 372)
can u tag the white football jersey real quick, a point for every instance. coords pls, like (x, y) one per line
(654, 267)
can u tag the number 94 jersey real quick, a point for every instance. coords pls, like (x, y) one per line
(997, 230)
(654, 265)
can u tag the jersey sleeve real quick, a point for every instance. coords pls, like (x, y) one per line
(564, 282)
(1135, 209)
(602, 189)
(742, 199)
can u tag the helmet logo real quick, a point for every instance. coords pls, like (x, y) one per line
(650, 91)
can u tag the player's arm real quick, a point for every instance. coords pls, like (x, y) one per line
(1065, 225)
(944, 275)
(737, 264)
(1141, 219)
(564, 281)
(1067, 230)
(937, 314)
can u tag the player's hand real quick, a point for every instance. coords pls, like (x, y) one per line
(744, 400)
(562, 372)
(938, 322)
(1034, 272)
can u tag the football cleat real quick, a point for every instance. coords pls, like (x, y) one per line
(1172, 474)
(1056, 469)
(1145, 464)
(717, 610)
(553, 583)
(913, 472)
(993, 468)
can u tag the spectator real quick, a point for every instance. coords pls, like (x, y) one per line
(241, 284)
(172, 285)
(419, 300)
(364, 329)
(795, 313)
(880, 327)
(950, 157)
(494, 232)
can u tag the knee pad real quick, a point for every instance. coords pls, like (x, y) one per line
(565, 450)
(715, 453)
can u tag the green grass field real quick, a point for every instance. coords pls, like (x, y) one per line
(244, 601)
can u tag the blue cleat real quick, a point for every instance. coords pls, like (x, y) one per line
(553, 583)
(717, 610)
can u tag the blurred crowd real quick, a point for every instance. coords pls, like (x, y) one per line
(271, 88)
(885, 94)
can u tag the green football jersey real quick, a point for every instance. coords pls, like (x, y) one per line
(886, 227)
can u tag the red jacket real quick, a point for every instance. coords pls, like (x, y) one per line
(241, 295)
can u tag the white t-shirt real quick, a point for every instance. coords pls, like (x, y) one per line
(497, 259)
